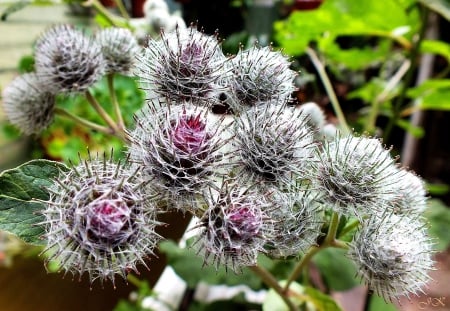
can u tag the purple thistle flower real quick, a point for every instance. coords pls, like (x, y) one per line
(235, 227)
(100, 220)
(180, 151)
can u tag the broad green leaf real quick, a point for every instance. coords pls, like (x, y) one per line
(436, 47)
(432, 94)
(308, 297)
(378, 304)
(189, 267)
(19, 189)
(442, 7)
(337, 270)
(346, 18)
(438, 215)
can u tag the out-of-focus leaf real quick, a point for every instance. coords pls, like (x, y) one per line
(337, 270)
(308, 297)
(438, 215)
(345, 18)
(378, 304)
(442, 7)
(189, 267)
(436, 47)
(432, 94)
(416, 131)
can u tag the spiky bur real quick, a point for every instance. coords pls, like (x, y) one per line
(316, 118)
(298, 221)
(272, 144)
(407, 195)
(180, 150)
(260, 74)
(393, 256)
(183, 65)
(67, 60)
(119, 48)
(27, 104)
(355, 175)
(234, 228)
(100, 220)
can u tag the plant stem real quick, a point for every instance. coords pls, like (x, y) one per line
(116, 130)
(394, 81)
(84, 122)
(398, 105)
(122, 9)
(330, 240)
(349, 228)
(272, 282)
(328, 88)
(114, 101)
(115, 21)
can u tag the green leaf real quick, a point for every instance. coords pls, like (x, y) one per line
(416, 131)
(436, 47)
(337, 18)
(300, 295)
(442, 7)
(337, 270)
(377, 303)
(437, 189)
(19, 189)
(438, 215)
(432, 94)
(189, 267)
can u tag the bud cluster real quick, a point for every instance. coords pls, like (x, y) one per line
(262, 178)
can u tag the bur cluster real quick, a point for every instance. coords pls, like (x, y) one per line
(267, 177)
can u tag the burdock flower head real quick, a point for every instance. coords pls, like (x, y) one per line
(407, 194)
(354, 174)
(67, 60)
(261, 74)
(100, 220)
(393, 256)
(297, 221)
(27, 104)
(235, 227)
(183, 65)
(119, 48)
(273, 144)
(180, 150)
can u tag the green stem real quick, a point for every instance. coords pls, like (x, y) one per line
(115, 21)
(84, 122)
(270, 281)
(117, 131)
(328, 88)
(399, 103)
(114, 101)
(393, 82)
(349, 227)
(330, 240)
(122, 9)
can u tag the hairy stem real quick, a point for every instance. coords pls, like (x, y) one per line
(116, 130)
(272, 282)
(112, 95)
(330, 240)
(83, 122)
(328, 88)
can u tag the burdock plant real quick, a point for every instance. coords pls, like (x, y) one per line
(263, 179)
